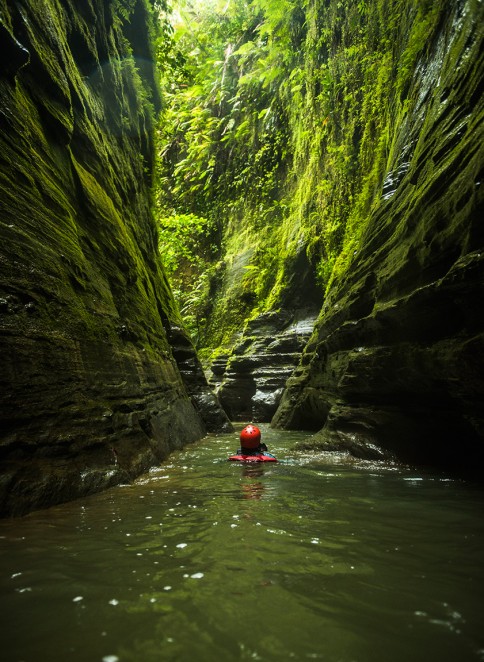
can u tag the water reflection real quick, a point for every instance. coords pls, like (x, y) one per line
(207, 559)
(252, 488)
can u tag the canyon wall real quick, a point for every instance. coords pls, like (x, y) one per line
(91, 389)
(395, 366)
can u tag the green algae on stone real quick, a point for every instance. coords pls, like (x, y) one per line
(91, 391)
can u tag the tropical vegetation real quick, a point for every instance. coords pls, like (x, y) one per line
(274, 142)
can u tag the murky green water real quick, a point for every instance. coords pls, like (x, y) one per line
(209, 560)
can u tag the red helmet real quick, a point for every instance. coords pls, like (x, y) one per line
(250, 437)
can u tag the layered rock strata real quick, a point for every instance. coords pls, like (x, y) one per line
(204, 399)
(396, 364)
(91, 394)
(251, 380)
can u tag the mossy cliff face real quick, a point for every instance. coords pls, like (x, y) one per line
(339, 158)
(91, 393)
(396, 363)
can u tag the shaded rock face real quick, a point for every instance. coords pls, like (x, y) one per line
(91, 393)
(203, 398)
(251, 380)
(396, 363)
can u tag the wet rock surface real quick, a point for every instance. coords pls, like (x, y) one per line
(204, 399)
(396, 364)
(250, 380)
(91, 394)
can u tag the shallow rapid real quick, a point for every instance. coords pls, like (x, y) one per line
(204, 559)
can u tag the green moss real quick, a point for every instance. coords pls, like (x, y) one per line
(304, 152)
(75, 198)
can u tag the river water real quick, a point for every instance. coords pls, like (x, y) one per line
(204, 559)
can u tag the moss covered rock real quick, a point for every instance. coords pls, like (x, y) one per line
(397, 357)
(91, 392)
